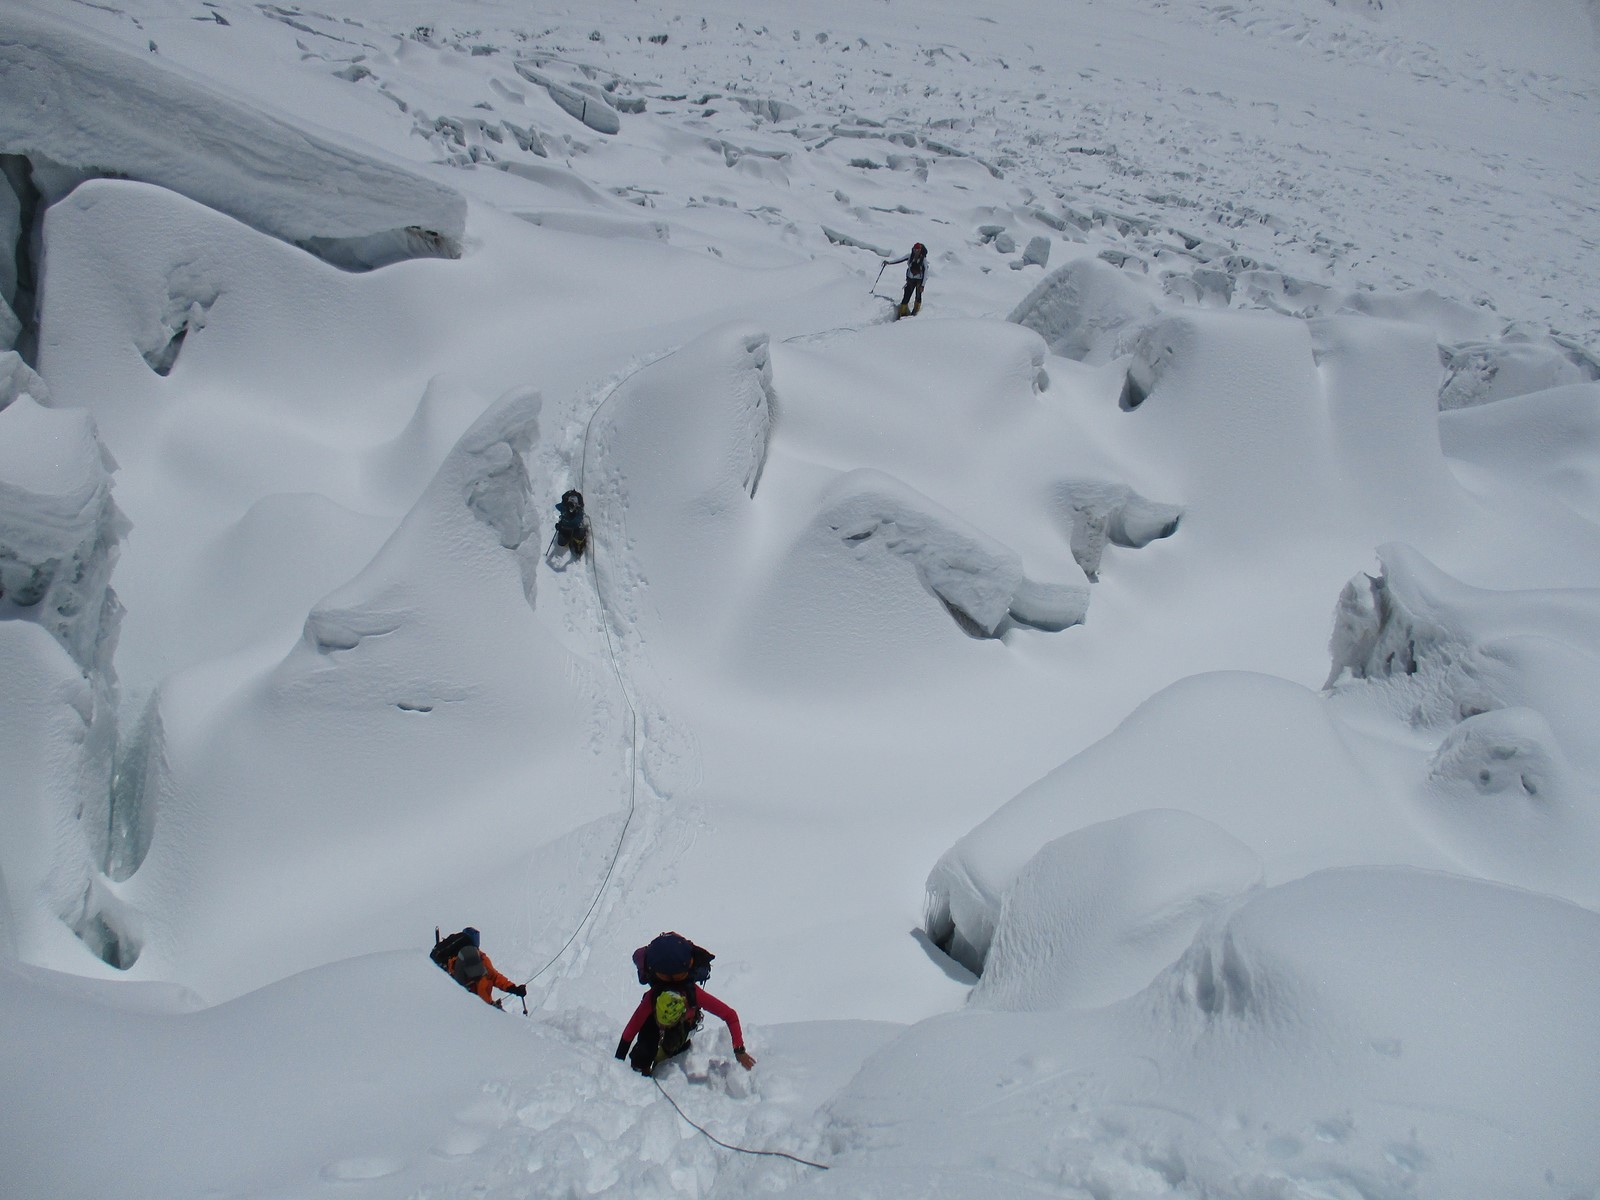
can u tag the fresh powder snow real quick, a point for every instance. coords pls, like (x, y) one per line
(1128, 729)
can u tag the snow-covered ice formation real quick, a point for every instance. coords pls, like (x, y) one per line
(60, 534)
(981, 582)
(1509, 679)
(59, 527)
(75, 107)
(1087, 310)
(1520, 362)
(1101, 513)
(295, 466)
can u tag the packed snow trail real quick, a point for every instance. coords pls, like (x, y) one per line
(606, 612)
(622, 683)
(614, 659)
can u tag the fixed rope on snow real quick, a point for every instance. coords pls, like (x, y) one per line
(805, 1162)
(633, 792)
(616, 669)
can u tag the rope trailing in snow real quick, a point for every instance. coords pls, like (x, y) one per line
(805, 1162)
(633, 788)
(616, 668)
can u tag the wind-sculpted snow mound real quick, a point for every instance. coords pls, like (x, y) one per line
(974, 579)
(882, 575)
(1277, 426)
(464, 747)
(1101, 513)
(1097, 310)
(1094, 916)
(143, 277)
(241, 1069)
(1548, 440)
(1262, 760)
(874, 543)
(1386, 1032)
(926, 490)
(77, 108)
(672, 465)
(228, 371)
(1512, 681)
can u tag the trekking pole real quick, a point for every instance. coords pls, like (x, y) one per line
(874, 286)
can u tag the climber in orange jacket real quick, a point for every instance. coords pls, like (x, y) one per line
(473, 970)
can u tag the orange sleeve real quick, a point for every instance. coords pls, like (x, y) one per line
(491, 975)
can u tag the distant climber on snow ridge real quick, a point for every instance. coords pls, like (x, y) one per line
(460, 958)
(916, 275)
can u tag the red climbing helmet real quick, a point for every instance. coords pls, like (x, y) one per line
(919, 248)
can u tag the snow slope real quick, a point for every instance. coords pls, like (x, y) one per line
(1127, 731)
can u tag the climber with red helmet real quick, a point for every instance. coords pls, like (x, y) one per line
(916, 275)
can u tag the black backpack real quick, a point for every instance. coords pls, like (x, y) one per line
(444, 949)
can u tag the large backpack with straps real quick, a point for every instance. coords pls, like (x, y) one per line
(676, 945)
(444, 949)
(468, 967)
